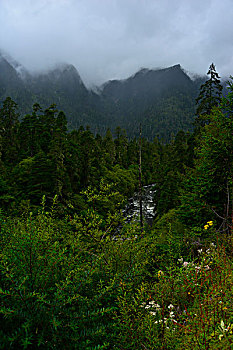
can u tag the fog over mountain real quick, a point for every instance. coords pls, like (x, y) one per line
(162, 100)
(113, 39)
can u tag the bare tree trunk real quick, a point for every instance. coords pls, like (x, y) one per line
(231, 230)
(140, 176)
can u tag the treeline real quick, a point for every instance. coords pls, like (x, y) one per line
(40, 157)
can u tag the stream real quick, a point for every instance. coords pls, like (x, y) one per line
(132, 209)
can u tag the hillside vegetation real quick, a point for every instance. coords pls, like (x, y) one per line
(75, 275)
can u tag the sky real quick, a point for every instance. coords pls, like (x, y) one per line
(112, 39)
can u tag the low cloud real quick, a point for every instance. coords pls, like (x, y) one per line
(112, 39)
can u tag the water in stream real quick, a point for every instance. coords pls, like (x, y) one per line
(132, 209)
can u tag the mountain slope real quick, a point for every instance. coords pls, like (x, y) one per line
(162, 100)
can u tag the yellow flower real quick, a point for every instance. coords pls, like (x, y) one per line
(210, 223)
(206, 226)
(160, 273)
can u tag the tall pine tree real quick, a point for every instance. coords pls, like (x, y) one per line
(209, 97)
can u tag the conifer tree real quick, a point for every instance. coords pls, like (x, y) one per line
(8, 130)
(109, 148)
(209, 96)
(57, 153)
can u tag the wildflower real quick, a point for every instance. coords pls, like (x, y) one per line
(170, 306)
(160, 273)
(143, 304)
(210, 223)
(181, 260)
(224, 329)
(147, 306)
(199, 251)
(206, 226)
(153, 313)
(185, 264)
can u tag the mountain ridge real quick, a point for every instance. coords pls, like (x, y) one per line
(149, 96)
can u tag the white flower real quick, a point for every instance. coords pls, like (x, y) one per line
(171, 314)
(225, 328)
(181, 260)
(199, 251)
(197, 267)
(170, 306)
(147, 306)
(153, 312)
(222, 325)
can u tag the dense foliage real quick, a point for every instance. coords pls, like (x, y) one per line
(75, 275)
(39, 157)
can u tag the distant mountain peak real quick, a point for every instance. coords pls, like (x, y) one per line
(144, 72)
(63, 72)
(64, 67)
(19, 68)
(176, 66)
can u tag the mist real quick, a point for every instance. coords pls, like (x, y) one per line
(113, 39)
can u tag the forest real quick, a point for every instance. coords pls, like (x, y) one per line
(74, 274)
